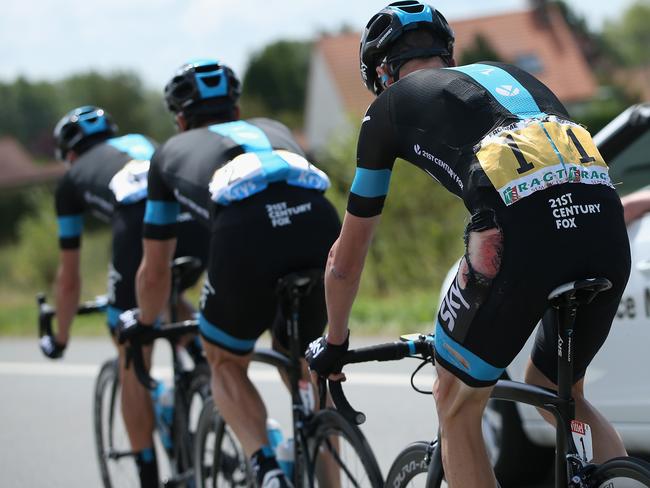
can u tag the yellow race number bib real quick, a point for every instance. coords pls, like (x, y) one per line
(533, 155)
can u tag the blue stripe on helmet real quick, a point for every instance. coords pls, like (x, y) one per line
(70, 226)
(410, 17)
(90, 126)
(475, 367)
(160, 212)
(207, 91)
(509, 92)
(215, 334)
(371, 183)
(136, 146)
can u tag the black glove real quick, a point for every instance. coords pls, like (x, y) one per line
(130, 327)
(323, 356)
(51, 348)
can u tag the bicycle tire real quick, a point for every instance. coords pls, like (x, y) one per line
(350, 453)
(621, 472)
(116, 460)
(191, 393)
(410, 468)
(219, 460)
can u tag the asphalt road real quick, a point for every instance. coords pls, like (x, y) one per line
(46, 434)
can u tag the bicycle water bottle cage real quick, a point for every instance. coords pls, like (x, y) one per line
(578, 292)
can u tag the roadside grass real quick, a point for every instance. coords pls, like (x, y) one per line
(390, 315)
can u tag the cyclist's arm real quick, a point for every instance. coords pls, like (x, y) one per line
(153, 281)
(376, 152)
(69, 212)
(635, 205)
(343, 272)
(67, 292)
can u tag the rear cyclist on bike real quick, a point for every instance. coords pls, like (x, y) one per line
(249, 182)
(543, 212)
(107, 176)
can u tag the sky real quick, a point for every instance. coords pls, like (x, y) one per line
(50, 39)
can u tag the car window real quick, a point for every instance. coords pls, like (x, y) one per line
(630, 169)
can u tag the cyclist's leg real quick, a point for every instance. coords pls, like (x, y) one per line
(602, 255)
(460, 406)
(136, 406)
(607, 444)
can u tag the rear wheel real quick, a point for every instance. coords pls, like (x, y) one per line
(339, 454)
(116, 460)
(219, 460)
(623, 472)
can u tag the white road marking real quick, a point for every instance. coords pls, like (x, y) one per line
(263, 375)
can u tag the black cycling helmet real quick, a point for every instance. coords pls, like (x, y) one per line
(201, 81)
(77, 127)
(388, 25)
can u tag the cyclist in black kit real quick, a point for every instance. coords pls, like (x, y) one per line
(249, 182)
(543, 212)
(108, 177)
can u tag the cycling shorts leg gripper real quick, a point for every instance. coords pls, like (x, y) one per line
(220, 338)
(466, 365)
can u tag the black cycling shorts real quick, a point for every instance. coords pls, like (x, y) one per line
(565, 233)
(255, 242)
(193, 240)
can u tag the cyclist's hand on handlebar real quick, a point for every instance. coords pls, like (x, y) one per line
(51, 348)
(129, 326)
(323, 357)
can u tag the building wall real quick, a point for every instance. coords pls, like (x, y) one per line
(324, 111)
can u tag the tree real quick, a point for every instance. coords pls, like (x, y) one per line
(479, 50)
(275, 83)
(629, 37)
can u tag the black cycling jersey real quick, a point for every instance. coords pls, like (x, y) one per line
(249, 182)
(500, 140)
(113, 172)
(482, 125)
(229, 162)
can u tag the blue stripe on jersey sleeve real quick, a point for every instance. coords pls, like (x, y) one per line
(505, 88)
(474, 366)
(160, 212)
(70, 226)
(371, 183)
(136, 146)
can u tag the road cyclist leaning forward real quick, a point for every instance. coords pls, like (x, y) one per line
(543, 212)
(107, 177)
(249, 182)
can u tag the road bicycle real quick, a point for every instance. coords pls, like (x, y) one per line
(328, 450)
(420, 463)
(191, 378)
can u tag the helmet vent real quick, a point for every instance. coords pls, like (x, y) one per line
(206, 68)
(211, 81)
(378, 26)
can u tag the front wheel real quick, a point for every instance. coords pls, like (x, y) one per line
(116, 460)
(339, 454)
(411, 467)
(622, 472)
(219, 459)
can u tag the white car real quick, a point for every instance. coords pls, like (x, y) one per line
(618, 381)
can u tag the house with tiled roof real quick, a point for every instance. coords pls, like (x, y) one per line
(17, 168)
(538, 40)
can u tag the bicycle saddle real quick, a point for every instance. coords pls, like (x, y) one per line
(579, 291)
(300, 282)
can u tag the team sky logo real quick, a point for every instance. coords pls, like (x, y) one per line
(507, 90)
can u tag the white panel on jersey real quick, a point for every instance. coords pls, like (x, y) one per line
(129, 185)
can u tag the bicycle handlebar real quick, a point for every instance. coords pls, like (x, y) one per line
(46, 311)
(147, 336)
(391, 351)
